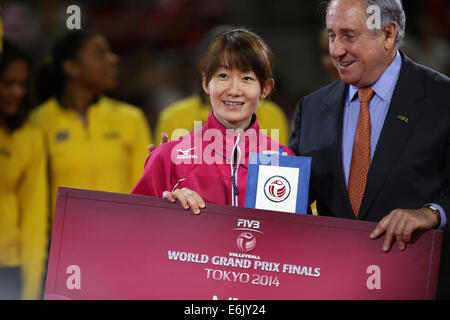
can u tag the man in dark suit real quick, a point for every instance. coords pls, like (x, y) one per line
(379, 137)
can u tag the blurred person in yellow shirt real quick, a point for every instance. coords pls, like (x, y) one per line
(94, 142)
(23, 184)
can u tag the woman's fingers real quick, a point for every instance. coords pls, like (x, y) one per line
(187, 198)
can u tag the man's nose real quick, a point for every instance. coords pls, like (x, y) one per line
(337, 49)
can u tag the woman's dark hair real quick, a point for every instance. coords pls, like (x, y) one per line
(11, 53)
(50, 78)
(241, 49)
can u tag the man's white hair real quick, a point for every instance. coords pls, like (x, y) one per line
(390, 11)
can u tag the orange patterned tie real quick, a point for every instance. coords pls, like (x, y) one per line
(361, 152)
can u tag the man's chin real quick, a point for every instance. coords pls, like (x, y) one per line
(350, 80)
(347, 80)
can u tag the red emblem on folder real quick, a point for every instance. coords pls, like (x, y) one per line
(277, 189)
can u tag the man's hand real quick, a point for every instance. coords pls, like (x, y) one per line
(187, 197)
(401, 223)
(164, 139)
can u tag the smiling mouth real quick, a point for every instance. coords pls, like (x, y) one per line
(233, 104)
(345, 65)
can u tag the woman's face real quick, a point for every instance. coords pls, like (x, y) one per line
(234, 96)
(96, 66)
(13, 86)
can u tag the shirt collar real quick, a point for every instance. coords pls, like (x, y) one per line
(61, 104)
(385, 85)
(248, 139)
(213, 123)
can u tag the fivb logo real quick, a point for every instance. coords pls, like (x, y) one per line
(250, 224)
(246, 241)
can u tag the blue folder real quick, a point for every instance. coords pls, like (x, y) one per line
(302, 163)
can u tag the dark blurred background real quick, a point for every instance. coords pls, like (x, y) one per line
(157, 40)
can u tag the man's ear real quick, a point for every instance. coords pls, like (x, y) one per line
(267, 89)
(390, 34)
(205, 85)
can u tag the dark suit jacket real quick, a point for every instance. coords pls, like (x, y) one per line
(411, 164)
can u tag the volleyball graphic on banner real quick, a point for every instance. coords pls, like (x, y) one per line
(246, 242)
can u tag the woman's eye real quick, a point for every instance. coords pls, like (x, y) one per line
(247, 78)
(222, 75)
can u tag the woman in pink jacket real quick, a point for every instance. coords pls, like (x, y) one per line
(210, 164)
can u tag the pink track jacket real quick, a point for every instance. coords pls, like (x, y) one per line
(212, 160)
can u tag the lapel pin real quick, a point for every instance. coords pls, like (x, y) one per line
(403, 118)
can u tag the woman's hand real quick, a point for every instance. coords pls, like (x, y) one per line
(187, 197)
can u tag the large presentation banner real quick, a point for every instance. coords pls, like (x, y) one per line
(117, 246)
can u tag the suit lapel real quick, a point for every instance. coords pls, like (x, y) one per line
(402, 117)
(335, 108)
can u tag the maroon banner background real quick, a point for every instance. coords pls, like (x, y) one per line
(117, 246)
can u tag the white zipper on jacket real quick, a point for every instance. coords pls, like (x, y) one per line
(234, 170)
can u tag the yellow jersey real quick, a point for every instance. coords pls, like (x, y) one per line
(183, 113)
(24, 206)
(106, 151)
